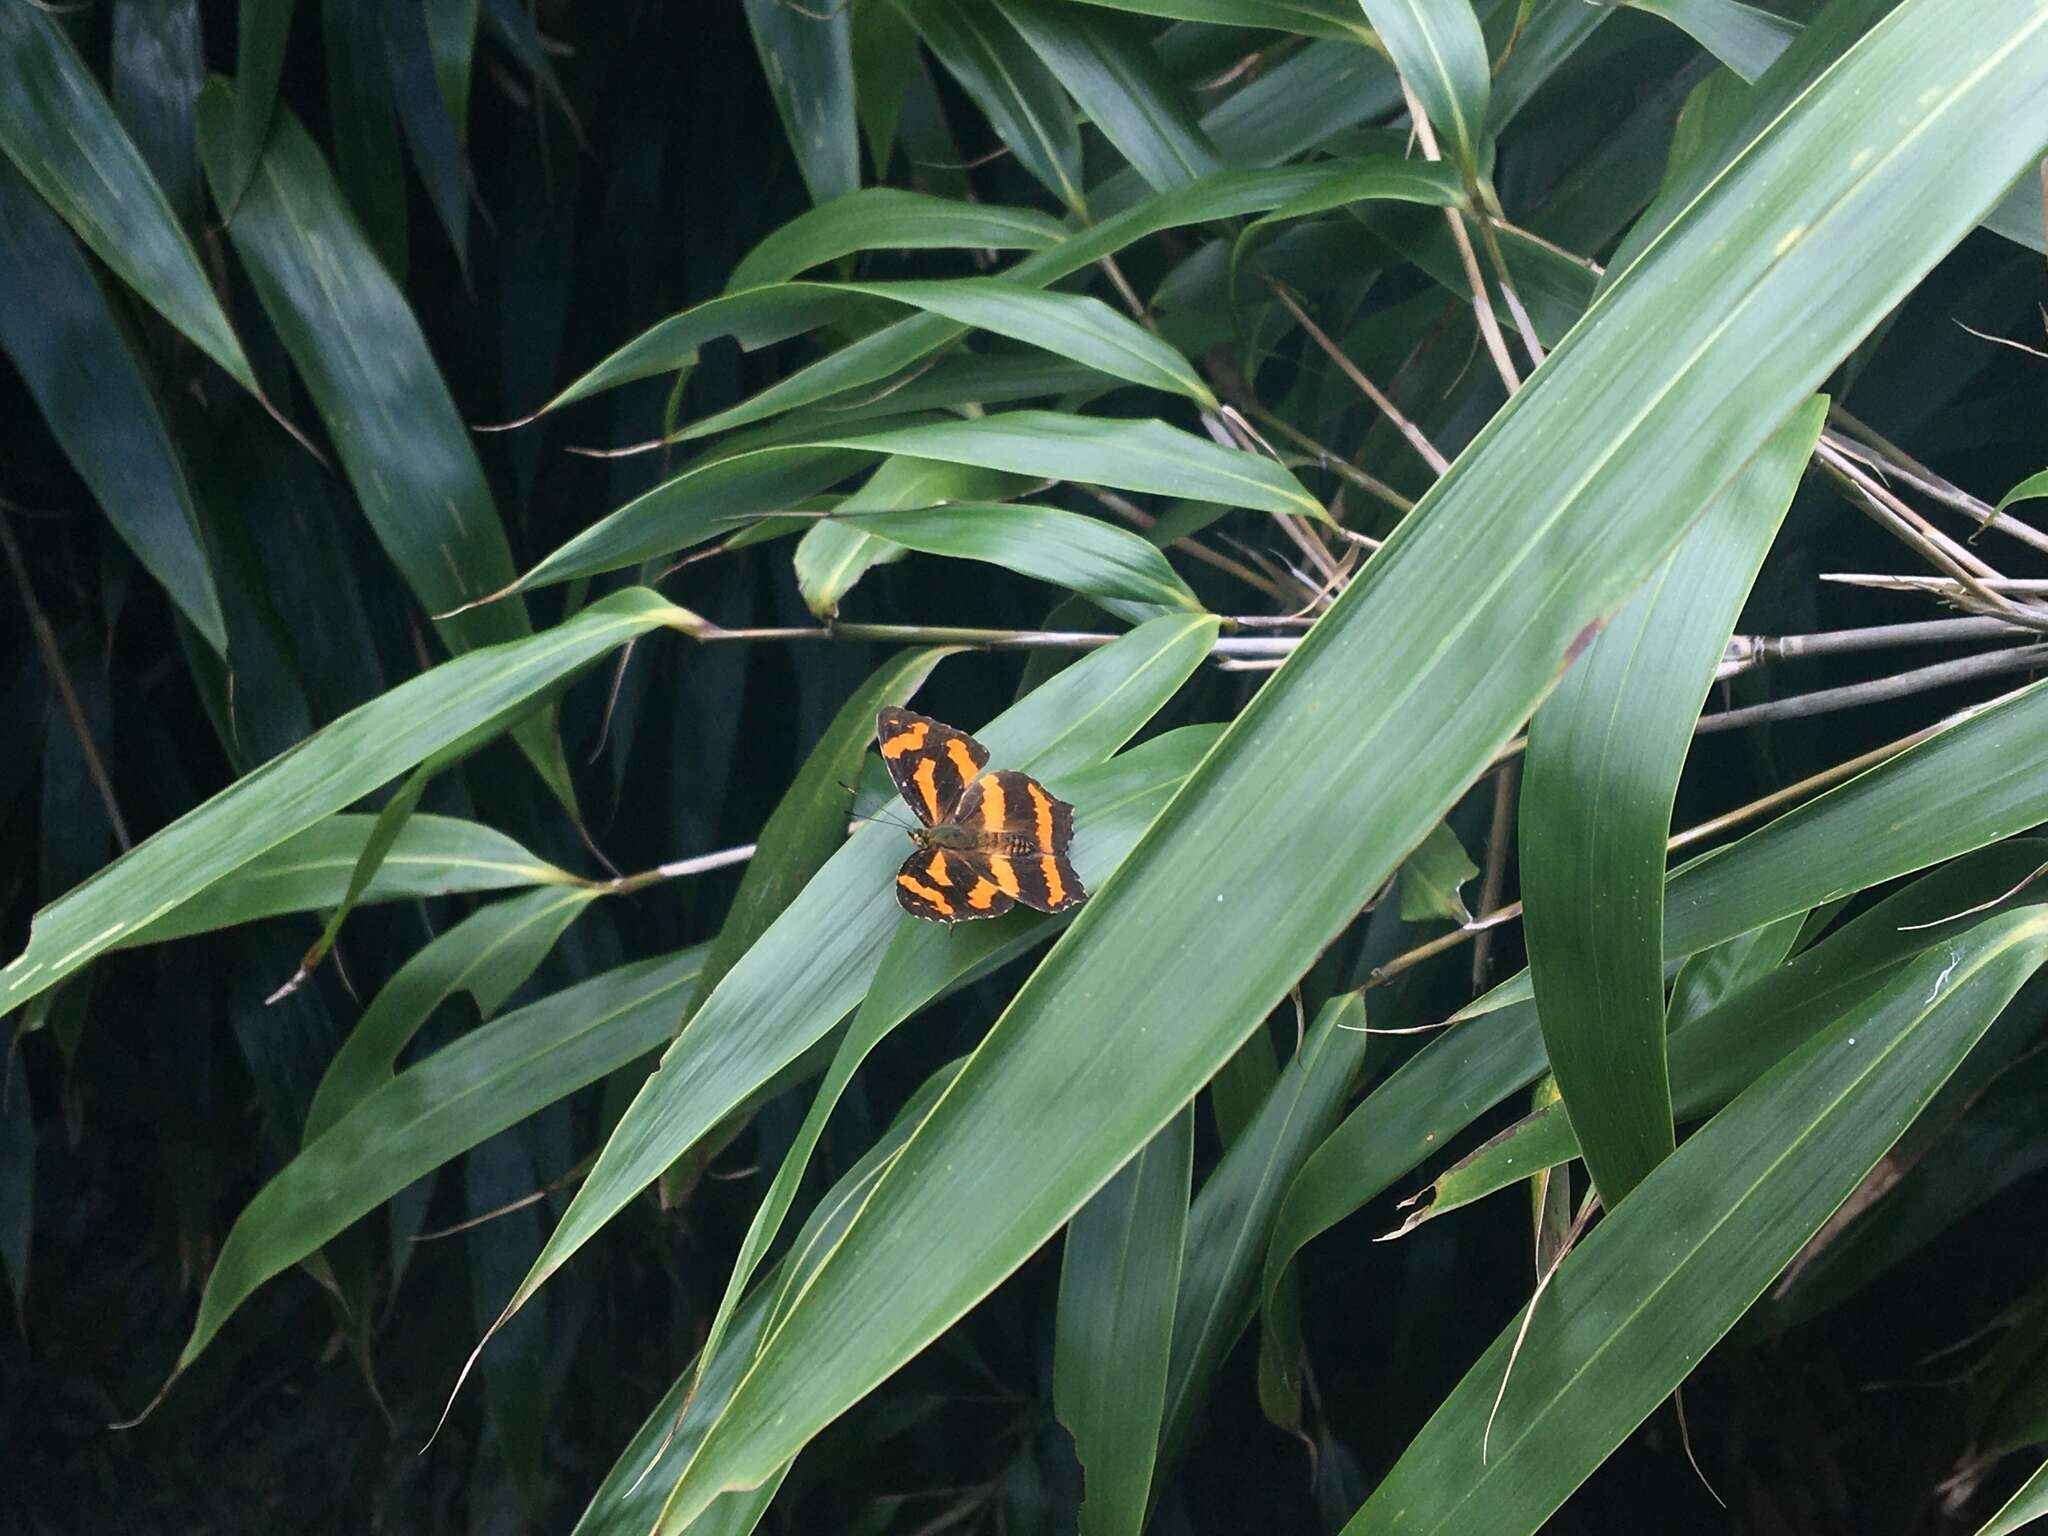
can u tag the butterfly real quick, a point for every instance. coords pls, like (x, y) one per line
(987, 840)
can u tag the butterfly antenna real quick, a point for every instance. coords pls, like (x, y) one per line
(872, 813)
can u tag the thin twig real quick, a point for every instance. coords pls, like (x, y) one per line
(1482, 302)
(1823, 700)
(1499, 835)
(1903, 466)
(60, 679)
(1422, 445)
(1138, 517)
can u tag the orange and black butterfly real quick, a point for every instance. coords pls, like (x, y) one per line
(987, 840)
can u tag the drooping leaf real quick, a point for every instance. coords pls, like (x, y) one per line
(807, 55)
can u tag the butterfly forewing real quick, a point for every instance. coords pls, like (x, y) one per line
(931, 763)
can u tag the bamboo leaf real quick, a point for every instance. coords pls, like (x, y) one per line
(1108, 65)
(1018, 95)
(443, 711)
(1119, 1280)
(889, 218)
(2033, 488)
(1431, 877)
(1731, 1044)
(263, 29)
(1064, 548)
(1147, 456)
(818, 958)
(1744, 38)
(96, 398)
(1671, 1270)
(2028, 1504)
(1437, 46)
(1601, 776)
(1311, 18)
(808, 57)
(1588, 477)
(456, 1098)
(63, 137)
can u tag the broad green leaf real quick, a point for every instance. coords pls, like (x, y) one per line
(94, 395)
(1337, 19)
(815, 962)
(1674, 1267)
(1370, 179)
(1437, 46)
(1599, 781)
(1587, 478)
(1232, 1219)
(1083, 554)
(431, 856)
(364, 361)
(1073, 326)
(629, 1501)
(492, 1078)
(2033, 488)
(1432, 875)
(834, 554)
(1744, 38)
(2028, 1504)
(1119, 1280)
(889, 218)
(809, 822)
(1731, 1044)
(885, 62)
(808, 58)
(451, 31)
(369, 154)
(1964, 788)
(443, 711)
(921, 961)
(261, 32)
(1015, 92)
(430, 131)
(63, 137)
(155, 72)
(489, 954)
(1147, 456)
(1227, 194)
(1108, 66)
(1713, 974)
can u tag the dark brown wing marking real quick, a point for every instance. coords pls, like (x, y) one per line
(931, 763)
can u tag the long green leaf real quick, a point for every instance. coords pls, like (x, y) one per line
(1670, 1271)
(262, 30)
(1731, 1044)
(889, 218)
(429, 1113)
(63, 137)
(808, 58)
(1586, 480)
(1146, 456)
(1119, 1280)
(444, 710)
(1016, 93)
(1083, 554)
(1108, 66)
(1744, 38)
(629, 1501)
(432, 856)
(2028, 1504)
(1437, 46)
(1601, 776)
(93, 393)
(1337, 19)
(818, 958)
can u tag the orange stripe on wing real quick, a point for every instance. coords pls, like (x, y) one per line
(937, 869)
(918, 888)
(993, 810)
(1042, 803)
(925, 777)
(1055, 888)
(983, 896)
(963, 760)
(906, 741)
(1005, 873)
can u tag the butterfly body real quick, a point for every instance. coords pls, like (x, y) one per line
(986, 841)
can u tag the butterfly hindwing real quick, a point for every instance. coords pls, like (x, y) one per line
(1030, 828)
(948, 886)
(931, 763)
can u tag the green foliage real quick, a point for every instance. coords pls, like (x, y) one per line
(447, 1001)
